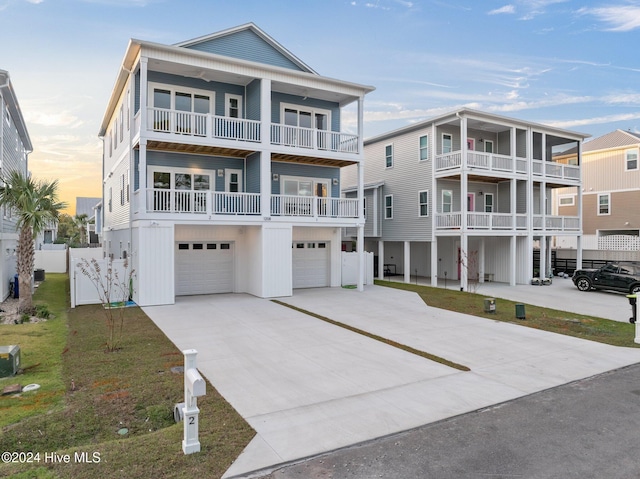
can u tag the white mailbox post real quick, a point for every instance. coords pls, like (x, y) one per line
(194, 386)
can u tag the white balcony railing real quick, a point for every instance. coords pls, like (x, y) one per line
(183, 123)
(223, 203)
(505, 221)
(556, 170)
(313, 206)
(311, 138)
(203, 125)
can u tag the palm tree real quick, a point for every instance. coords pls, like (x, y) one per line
(80, 224)
(35, 204)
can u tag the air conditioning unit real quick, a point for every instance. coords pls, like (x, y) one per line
(9, 361)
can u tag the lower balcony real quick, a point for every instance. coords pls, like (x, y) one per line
(506, 222)
(208, 203)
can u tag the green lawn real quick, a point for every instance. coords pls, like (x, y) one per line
(601, 330)
(131, 388)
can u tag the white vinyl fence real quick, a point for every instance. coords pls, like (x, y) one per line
(350, 268)
(83, 287)
(51, 261)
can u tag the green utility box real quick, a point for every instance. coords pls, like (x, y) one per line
(520, 314)
(489, 305)
(9, 361)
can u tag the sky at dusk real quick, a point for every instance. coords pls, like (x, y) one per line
(570, 64)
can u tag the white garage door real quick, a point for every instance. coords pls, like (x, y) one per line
(204, 267)
(310, 264)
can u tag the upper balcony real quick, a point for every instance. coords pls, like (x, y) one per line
(492, 164)
(212, 205)
(181, 126)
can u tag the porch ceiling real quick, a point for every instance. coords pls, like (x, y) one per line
(198, 149)
(310, 160)
(242, 153)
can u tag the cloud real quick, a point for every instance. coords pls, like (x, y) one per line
(506, 9)
(35, 2)
(620, 18)
(598, 120)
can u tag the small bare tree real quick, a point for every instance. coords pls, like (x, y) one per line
(113, 291)
(470, 261)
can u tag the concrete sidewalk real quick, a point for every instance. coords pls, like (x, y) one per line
(309, 387)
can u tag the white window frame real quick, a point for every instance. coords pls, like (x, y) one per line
(443, 203)
(306, 109)
(387, 156)
(227, 107)
(489, 142)
(173, 170)
(423, 149)
(626, 159)
(493, 202)
(451, 139)
(314, 182)
(564, 197)
(608, 196)
(388, 209)
(421, 203)
(179, 89)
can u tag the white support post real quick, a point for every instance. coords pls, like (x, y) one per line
(194, 386)
(380, 259)
(407, 262)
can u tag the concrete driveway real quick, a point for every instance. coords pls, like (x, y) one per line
(308, 387)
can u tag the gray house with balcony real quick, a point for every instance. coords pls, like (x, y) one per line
(466, 196)
(221, 170)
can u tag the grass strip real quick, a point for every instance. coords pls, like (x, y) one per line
(404, 347)
(614, 333)
(103, 392)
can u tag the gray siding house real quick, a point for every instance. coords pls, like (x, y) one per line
(465, 196)
(15, 146)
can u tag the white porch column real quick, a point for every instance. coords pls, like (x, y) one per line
(380, 259)
(265, 140)
(144, 98)
(360, 245)
(407, 262)
(513, 262)
(579, 252)
(580, 206)
(543, 257)
(434, 262)
(481, 268)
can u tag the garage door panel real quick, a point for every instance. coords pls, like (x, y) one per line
(310, 264)
(204, 268)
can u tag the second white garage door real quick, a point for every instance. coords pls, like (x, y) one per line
(204, 268)
(310, 264)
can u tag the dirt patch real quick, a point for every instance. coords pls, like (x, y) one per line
(9, 313)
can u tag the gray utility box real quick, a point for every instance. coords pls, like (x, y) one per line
(9, 361)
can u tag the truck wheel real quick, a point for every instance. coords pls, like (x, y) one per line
(583, 284)
(635, 289)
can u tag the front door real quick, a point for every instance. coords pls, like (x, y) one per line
(471, 202)
(233, 181)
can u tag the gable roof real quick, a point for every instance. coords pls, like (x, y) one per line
(9, 95)
(247, 42)
(615, 139)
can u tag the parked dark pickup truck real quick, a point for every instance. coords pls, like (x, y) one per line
(623, 276)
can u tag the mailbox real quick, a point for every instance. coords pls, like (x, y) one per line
(194, 387)
(195, 383)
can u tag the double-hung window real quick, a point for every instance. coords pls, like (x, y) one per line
(423, 203)
(447, 143)
(447, 201)
(604, 204)
(388, 207)
(631, 159)
(424, 148)
(388, 156)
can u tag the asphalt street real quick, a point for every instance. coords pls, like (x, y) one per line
(585, 429)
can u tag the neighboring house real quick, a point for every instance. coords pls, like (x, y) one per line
(87, 206)
(610, 192)
(222, 160)
(465, 196)
(47, 237)
(15, 147)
